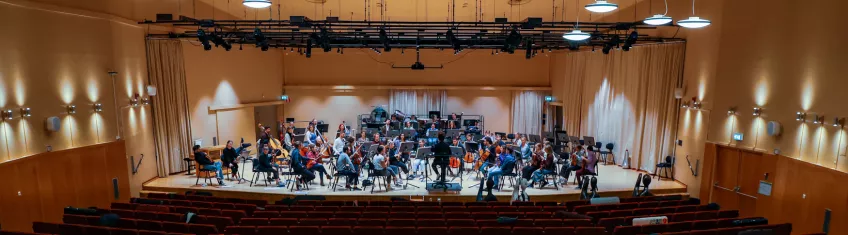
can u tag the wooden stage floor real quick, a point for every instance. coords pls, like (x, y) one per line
(612, 181)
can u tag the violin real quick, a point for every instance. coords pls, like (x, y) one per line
(357, 156)
(311, 162)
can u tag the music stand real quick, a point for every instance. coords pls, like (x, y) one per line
(469, 122)
(299, 131)
(550, 136)
(575, 141)
(300, 138)
(406, 147)
(393, 133)
(501, 134)
(289, 120)
(424, 153)
(590, 141)
(372, 150)
(458, 152)
(409, 133)
(453, 133)
(478, 137)
(370, 131)
(535, 138)
(434, 113)
(562, 137)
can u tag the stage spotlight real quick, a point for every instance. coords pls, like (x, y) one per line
(529, 49)
(261, 40)
(201, 35)
(631, 39)
(219, 41)
(613, 42)
(731, 111)
(384, 39)
(308, 48)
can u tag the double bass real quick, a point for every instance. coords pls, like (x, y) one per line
(276, 147)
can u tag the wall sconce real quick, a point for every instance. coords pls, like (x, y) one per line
(731, 111)
(758, 111)
(8, 115)
(801, 116)
(145, 101)
(134, 101)
(685, 105)
(838, 122)
(26, 112)
(98, 107)
(818, 119)
(696, 105)
(72, 109)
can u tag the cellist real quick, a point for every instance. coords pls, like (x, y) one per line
(576, 157)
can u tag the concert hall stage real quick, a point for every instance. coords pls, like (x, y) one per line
(612, 181)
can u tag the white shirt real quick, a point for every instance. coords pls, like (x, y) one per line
(338, 145)
(378, 162)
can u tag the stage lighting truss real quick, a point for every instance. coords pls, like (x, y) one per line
(387, 35)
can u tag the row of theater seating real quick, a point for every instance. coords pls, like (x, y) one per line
(128, 223)
(431, 203)
(632, 205)
(235, 215)
(164, 228)
(405, 215)
(677, 217)
(778, 229)
(185, 203)
(665, 228)
(417, 222)
(174, 196)
(397, 230)
(597, 215)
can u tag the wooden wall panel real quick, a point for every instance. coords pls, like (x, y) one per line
(708, 170)
(48, 182)
(727, 163)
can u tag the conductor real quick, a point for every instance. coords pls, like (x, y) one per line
(441, 152)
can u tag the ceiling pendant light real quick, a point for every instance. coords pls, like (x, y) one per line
(693, 22)
(601, 6)
(659, 19)
(257, 3)
(576, 34)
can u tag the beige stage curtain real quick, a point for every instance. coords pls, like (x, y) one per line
(171, 123)
(527, 112)
(417, 102)
(624, 98)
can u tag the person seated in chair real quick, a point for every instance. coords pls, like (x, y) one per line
(591, 160)
(472, 128)
(546, 167)
(432, 129)
(394, 162)
(208, 164)
(346, 168)
(566, 169)
(230, 157)
(381, 165)
(298, 167)
(505, 163)
(314, 156)
(265, 164)
(537, 157)
(420, 163)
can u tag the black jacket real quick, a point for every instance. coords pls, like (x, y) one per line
(202, 159)
(442, 151)
(265, 161)
(229, 155)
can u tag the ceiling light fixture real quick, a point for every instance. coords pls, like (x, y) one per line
(659, 19)
(576, 34)
(601, 6)
(257, 3)
(693, 22)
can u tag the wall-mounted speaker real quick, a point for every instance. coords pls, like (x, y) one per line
(678, 93)
(53, 124)
(773, 128)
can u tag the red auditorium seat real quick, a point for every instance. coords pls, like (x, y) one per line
(342, 221)
(212, 212)
(621, 213)
(309, 202)
(721, 223)
(504, 209)
(665, 210)
(403, 209)
(677, 233)
(451, 204)
(585, 208)
(236, 215)
(489, 223)
(462, 223)
(254, 221)
(171, 217)
(401, 230)
(577, 223)
(202, 229)
(372, 222)
(463, 230)
(484, 204)
(548, 223)
(725, 214)
(537, 215)
(148, 225)
(679, 226)
(201, 204)
(706, 215)
(496, 230)
(247, 208)
(571, 204)
(527, 230)
(379, 203)
(333, 203)
(336, 230)
(654, 228)
(74, 219)
(682, 217)
(312, 222)
(304, 230)
(548, 203)
(606, 207)
(148, 232)
(283, 222)
(301, 208)
(348, 214)
(219, 222)
(430, 223)
(327, 208)
(402, 215)
(682, 209)
(628, 206)
(292, 214)
(224, 206)
(530, 209)
(401, 222)
(439, 209)
(266, 214)
(124, 213)
(524, 223)
(704, 224)
(321, 214)
(478, 209)
(175, 227)
(703, 232)
(127, 223)
(351, 208)
(121, 231)
(401, 203)
(627, 230)
(484, 215)
(430, 215)
(511, 214)
(277, 208)
(375, 214)
(378, 209)
(432, 230)
(643, 211)
(368, 230)
(94, 230)
(597, 215)
(560, 230)
(271, 230)
(457, 215)
(588, 230)
(648, 204)
(669, 203)
(122, 206)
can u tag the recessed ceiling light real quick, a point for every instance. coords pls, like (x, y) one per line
(257, 3)
(601, 6)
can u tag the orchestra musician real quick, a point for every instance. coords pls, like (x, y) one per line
(314, 162)
(356, 155)
(473, 128)
(408, 126)
(229, 158)
(343, 128)
(377, 140)
(455, 161)
(394, 162)
(346, 168)
(432, 129)
(589, 166)
(387, 126)
(419, 164)
(362, 138)
(546, 167)
(577, 154)
(442, 152)
(505, 163)
(207, 164)
(339, 143)
(289, 137)
(311, 135)
(266, 164)
(381, 165)
(488, 154)
(265, 137)
(535, 162)
(298, 167)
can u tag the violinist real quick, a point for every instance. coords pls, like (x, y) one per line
(339, 143)
(451, 125)
(576, 159)
(419, 164)
(546, 167)
(314, 163)
(346, 168)
(377, 139)
(381, 164)
(394, 162)
(537, 156)
(505, 163)
(589, 169)
(362, 137)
